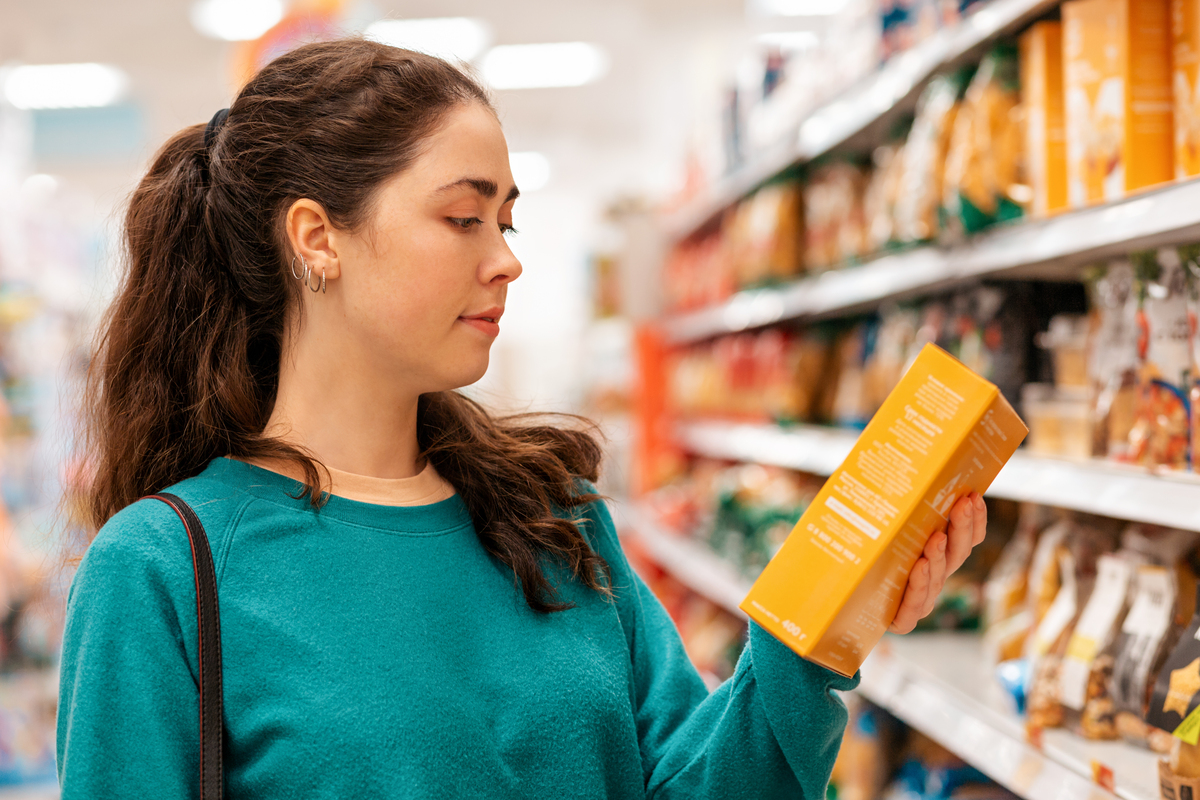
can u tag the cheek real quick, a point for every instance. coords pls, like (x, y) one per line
(415, 283)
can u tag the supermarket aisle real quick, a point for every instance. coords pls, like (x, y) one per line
(741, 221)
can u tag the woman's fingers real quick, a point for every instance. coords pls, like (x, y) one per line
(962, 531)
(914, 598)
(980, 519)
(935, 553)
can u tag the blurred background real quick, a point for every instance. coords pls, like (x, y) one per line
(739, 221)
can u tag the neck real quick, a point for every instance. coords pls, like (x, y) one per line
(340, 410)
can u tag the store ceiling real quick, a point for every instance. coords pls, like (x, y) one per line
(625, 128)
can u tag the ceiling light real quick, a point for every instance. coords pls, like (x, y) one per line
(530, 66)
(802, 8)
(236, 20)
(790, 41)
(63, 85)
(531, 171)
(453, 37)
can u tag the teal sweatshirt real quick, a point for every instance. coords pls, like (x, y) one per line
(378, 651)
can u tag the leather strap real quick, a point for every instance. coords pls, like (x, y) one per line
(212, 724)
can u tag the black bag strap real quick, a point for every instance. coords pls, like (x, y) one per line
(212, 724)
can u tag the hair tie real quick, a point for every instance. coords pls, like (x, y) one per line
(216, 122)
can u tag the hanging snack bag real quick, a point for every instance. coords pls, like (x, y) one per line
(1146, 637)
(769, 234)
(1161, 433)
(925, 159)
(1190, 256)
(1006, 617)
(835, 225)
(984, 180)
(1097, 626)
(881, 196)
(1046, 646)
(1113, 359)
(1177, 690)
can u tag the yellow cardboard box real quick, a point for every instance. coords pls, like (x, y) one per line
(1185, 38)
(1045, 118)
(1119, 101)
(835, 585)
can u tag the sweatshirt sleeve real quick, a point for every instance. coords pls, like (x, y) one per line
(771, 731)
(128, 718)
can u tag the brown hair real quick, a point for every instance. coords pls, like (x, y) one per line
(187, 359)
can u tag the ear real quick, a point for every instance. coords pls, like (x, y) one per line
(314, 237)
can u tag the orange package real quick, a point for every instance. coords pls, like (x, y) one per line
(836, 583)
(1119, 106)
(1045, 118)
(1185, 38)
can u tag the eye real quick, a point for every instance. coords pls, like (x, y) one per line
(508, 230)
(465, 222)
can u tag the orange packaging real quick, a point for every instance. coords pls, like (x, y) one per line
(1119, 102)
(1185, 37)
(835, 585)
(1045, 118)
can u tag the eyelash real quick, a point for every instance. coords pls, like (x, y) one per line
(466, 222)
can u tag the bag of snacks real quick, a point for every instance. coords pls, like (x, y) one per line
(1161, 433)
(1112, 360)
(925, 158)
(984, 165)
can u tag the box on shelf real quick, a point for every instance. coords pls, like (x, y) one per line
(1045, 117)
(836, 583)
(1119, 107)
(1185, 38)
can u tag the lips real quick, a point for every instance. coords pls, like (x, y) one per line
(487, 322)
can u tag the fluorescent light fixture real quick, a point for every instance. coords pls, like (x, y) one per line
(448, 37)
(63, 85)
(789, 41)
(532, 66)
(236, 20)
(531, 171)
(802, 8)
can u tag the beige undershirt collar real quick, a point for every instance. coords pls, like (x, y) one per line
(420, 490)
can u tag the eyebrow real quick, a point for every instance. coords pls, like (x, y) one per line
(485, 187)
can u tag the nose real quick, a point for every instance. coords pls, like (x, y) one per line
(502, 266)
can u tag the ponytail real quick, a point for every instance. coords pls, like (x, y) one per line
(186, 365)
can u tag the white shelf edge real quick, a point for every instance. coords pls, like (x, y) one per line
(690, 562)
(1168, 215)
(902, 676)
(863, 103)
(1096, 487)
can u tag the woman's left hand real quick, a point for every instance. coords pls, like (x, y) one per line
(944, 553)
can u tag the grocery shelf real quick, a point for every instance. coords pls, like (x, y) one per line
(1043, 248)
(872, 102)
(941, 684)
(691, 563)
(1097, 487)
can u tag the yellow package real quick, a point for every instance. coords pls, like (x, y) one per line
(1185, 37)
(1045, 118)
(1119, 106)
(836, 583)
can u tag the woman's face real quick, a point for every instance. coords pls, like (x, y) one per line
(423, 286)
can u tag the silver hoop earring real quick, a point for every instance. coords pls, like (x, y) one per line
(292, 267)
(320, 288)
(307, 270)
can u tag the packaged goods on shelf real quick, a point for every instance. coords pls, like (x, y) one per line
(1044, 117)
(1160, 435)
(984, 180)
(925, 158)
(834, 218)
(763, 235)
(881, 196)
(1117, 68)
(1185, 38)
(695, 274)
(1113, 358)
(1177, 689)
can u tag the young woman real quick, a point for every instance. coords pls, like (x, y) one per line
(442, 609)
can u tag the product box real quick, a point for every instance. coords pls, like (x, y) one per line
(1119, 101)
(835, 585)
(1045, 116)
(1185, 38)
